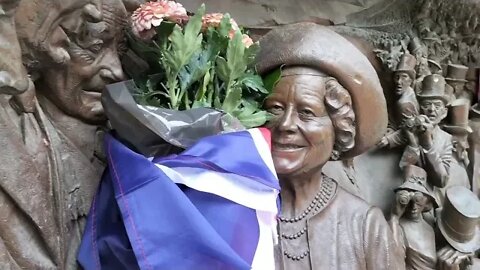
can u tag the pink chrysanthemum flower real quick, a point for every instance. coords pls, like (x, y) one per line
(247, 41)
(153, 13)
(214, 19)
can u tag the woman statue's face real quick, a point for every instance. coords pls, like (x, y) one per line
(302, 132)
(418, 203)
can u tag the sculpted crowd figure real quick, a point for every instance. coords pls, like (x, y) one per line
(415, 235)
(406, 106)
(50, 135)
(457, 230)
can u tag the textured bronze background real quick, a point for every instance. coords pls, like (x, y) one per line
(410, 68)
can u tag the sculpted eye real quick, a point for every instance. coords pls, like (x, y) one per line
(306, 112)
(275, 109)
(95, 48)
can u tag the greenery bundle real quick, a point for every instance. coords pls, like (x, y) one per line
(204, 60)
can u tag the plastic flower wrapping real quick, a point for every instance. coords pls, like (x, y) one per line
(204, 60)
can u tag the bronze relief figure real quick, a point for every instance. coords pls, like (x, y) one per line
(327, 105)
(51, 157)
(416, 235)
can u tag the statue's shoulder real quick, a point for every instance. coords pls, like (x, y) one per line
(350, 204)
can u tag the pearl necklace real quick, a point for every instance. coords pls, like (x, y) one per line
(319, 202)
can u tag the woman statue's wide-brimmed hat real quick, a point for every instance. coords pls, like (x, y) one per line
(459, 219)
(316, 46)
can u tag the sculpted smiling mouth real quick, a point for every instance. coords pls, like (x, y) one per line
(286, 146)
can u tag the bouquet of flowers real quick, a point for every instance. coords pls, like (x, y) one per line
(193, 76)
(197, 61)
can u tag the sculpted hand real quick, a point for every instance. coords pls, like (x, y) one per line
(412, 138)
(451, 259)
(425, 133)
(383, 143)
(402, 198)
(25, 102)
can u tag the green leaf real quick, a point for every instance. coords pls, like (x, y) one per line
(216, 43)
(195, 70)
(232, 100)
(253, 82)
(222, 69)
(217, 104)
(250, 54)
(164, 30)
(210, 89)
(202, 91)
(201, 104)
(271, 80)
(225, 25)
(254, 120)
(249, 107)
(235, 53)
(194, 25)
(185, 44)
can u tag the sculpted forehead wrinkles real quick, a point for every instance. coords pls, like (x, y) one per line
(301, 90)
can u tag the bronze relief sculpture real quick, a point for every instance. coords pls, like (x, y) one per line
(433, 148)
(458, 229)
(13, 75)
(321, 103)
(328, 106)
(56, 148)
(416, 236)
(407, 108)
(456, 80)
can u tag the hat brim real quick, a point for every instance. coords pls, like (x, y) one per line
(475, 109)
(467, 247)
(455, 80)
(424, 191)
(458, 129)
(316, 46)
(410, 72)
(444, 98)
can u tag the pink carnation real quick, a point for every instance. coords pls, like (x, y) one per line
(214, 19)
(247, 41)
(153, 13)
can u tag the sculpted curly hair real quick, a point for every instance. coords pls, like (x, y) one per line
(339, 107)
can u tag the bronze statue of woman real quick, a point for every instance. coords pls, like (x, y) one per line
(327, 105)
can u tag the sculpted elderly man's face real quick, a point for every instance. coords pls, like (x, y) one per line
(434, 108)
(76, 89)
(302, 132)
(42, 34)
